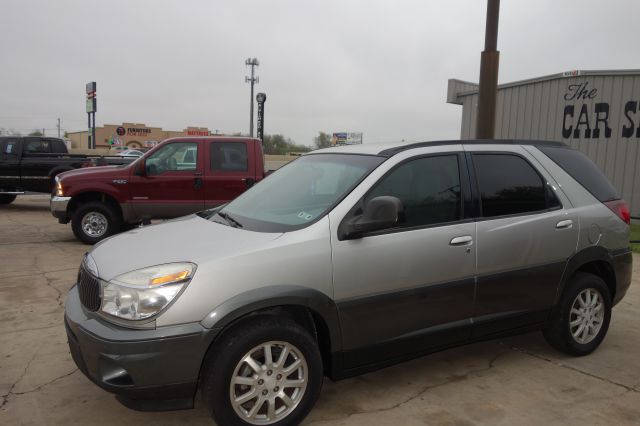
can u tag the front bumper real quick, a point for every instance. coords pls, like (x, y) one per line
(151, 369)
(58, 207)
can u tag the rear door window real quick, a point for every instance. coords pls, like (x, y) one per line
(58, 146)
(229, 157)
(509, 185)
(36, 146)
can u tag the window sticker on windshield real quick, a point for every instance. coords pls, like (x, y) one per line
(305, 216)
(9, 148)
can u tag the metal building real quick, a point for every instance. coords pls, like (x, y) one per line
(597, 112)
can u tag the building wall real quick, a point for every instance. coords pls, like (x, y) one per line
(136, 135)
(596, 112)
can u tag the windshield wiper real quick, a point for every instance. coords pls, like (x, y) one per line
(231, 221)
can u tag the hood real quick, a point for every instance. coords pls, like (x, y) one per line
(95, 172)
(187, 239)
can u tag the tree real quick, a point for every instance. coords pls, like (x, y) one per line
(323, 140)
(279, 145)
(36, 133)
(9, 132)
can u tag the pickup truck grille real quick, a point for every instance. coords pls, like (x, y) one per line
(89, 290)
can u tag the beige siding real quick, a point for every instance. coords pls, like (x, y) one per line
(534, 109)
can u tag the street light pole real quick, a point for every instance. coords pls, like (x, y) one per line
(489, 61)
(252, 62)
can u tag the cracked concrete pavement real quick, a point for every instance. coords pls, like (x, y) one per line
(518, 380)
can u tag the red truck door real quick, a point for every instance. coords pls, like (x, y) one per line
(172, 184)
(230, 170)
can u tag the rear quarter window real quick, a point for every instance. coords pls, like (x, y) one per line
(583, 170)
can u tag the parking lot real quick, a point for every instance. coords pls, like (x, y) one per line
(517, 380)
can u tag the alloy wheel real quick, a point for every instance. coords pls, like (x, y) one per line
(268, 383)
(586, 316)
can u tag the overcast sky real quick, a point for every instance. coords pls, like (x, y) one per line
(379, 67)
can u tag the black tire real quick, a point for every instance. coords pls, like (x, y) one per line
(559, 334)
(97, 233)
(226, 356)
(7, 198)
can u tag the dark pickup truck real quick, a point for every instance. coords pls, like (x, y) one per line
(178, 177)
(32, 163)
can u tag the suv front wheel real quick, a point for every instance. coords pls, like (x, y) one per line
(266, 372)
(580, 321)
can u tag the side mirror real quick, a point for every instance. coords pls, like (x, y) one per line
(141, 168)
(379, 213)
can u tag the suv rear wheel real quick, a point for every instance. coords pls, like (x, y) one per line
(267, 372)
(580, 321)
(94, 221)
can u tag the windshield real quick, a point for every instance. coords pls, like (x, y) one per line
(298, 194)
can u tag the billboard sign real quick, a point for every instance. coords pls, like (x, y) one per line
(91, 97)
(346, 138)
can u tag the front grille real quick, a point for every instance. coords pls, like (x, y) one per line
(89, 290)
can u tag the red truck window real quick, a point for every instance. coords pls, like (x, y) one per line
(173, 157)
(229, 157)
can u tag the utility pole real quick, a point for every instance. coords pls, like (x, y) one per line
(92, 107)
(58, 127)
(489, 60)
(252, 62)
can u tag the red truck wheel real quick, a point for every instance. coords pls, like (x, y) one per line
(94, 221)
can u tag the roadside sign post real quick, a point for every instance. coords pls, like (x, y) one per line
(92, 107)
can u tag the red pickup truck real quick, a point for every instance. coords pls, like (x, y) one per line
(178, 177)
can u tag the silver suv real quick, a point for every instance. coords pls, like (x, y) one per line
(347, 260)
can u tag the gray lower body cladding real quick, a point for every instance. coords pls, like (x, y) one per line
(138, 365)
(622, 262)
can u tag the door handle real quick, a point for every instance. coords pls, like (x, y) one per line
(197, 184)
(461, 241)
(564, 224)
(249, 182)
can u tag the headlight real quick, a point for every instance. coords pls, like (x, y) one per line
(143, 293)
(59, 190)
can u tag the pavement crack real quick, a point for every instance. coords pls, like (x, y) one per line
(49, 283)
(577, 370)
(30, 329)
(36, 389)
(42, 273)
(425, 389)
(5, 398)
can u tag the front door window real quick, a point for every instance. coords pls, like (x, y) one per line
(173, 157)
